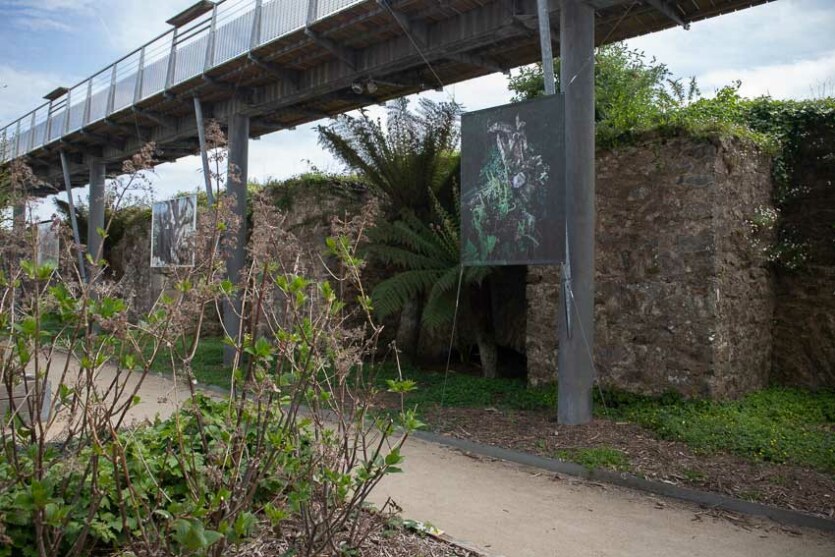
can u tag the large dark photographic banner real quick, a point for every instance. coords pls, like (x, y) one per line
(173, 224)
(513, 184)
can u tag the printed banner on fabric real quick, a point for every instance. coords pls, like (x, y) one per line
(513, 184)
(49, 247)
(173, 224)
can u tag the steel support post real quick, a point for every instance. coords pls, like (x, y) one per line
(65, 165)
(238, 137)
(140, 72)
(68, 113)
(210, 44)
(204, 153)
(545, 46)
(576, 337)
(96, 220)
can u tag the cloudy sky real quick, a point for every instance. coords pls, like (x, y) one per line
(785, 49)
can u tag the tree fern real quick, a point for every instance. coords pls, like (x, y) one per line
(405, 159)
(428, 257)
(410, 163)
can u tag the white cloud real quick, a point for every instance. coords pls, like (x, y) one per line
(793, 80)
(776, 32)
(20, 90)
(44, 15)
(135, 22)
(51, 5)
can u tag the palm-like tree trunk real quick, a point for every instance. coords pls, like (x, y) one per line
(408, 330)
(482, 327)
(488, 352)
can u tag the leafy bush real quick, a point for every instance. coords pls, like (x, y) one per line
(283, 193)
(292, 448)
(633, 93)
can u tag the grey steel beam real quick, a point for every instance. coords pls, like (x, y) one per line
(68, 112)
(417, 31)
(135, 129)
(668, 9)
(100, 139)
(65, 166)
(255, 35)
(236, 181)
(347, 55)
(308, 113)
(530, 22)
(236, 90)
(111, 95)
(95, 223)
(478, 61)
(209, 61)
(576, 331)
(283, 74)
(204, 152)
(172, 60)
(140, 77)
(156, 117)
(265, 127)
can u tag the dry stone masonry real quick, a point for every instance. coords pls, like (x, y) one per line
(684, 297)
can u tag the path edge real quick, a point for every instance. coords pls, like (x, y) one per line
(781, 516)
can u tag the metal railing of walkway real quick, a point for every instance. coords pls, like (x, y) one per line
(228, 29)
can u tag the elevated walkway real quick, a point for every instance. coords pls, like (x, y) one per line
(283, 63)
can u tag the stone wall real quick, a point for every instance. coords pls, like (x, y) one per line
(804, 318)
(309, 208)
(684, 300)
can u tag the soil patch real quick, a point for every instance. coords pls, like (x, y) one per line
(396, 542)
(640, 452)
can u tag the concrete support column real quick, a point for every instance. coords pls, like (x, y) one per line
(96, 217)
(236, 181)
(576, 338)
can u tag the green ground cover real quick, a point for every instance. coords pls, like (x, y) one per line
(207, 364)
(777, 424)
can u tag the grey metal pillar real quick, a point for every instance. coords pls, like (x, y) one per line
(204, 153)
(545, 46)
(65, 165)
(238, 137)
(576, 338)
(96, 219)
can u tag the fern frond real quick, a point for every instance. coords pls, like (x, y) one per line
(393, 293)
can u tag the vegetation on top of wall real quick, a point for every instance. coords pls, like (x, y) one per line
(636, 95)
(121, 222)
(284, 193)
